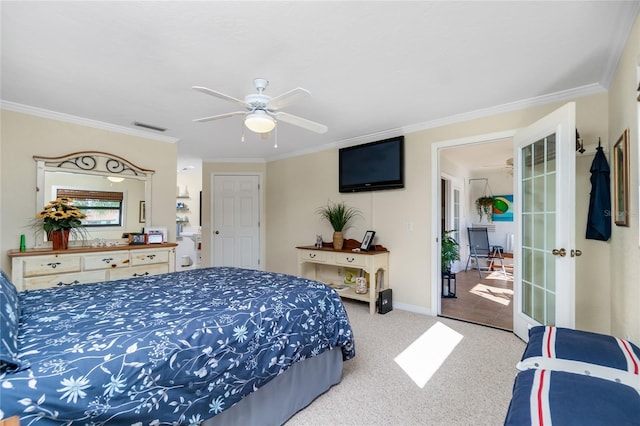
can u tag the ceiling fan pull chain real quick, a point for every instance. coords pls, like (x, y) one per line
(275, 144)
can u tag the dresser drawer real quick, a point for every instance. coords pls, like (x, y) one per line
(313, 255)
(61, 280)
(349, 259)
(47, 265)
(138, 271)
(147, 257)
(106, 260)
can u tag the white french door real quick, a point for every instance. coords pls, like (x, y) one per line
(236, 221)
(544, 273)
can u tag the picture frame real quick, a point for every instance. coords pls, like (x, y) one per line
(136, 238)
(621, 180)
(367, 240)
(156, 235)
(503, 208)
(142, 218)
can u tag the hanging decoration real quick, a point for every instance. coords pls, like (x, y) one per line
(484, 204)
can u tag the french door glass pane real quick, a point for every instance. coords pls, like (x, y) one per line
(538, 230)
(456, 215)
(526, 299)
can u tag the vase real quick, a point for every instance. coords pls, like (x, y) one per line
(361, 285)
(59, 239)
(338, 240)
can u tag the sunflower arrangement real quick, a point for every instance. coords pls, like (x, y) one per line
(60, 214)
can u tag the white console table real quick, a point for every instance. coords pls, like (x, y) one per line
(372, 262)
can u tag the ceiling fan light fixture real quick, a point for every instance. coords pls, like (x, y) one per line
(259, 122)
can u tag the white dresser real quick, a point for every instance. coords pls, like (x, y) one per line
(36, 269)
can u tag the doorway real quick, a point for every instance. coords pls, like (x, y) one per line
(544, 200)
(236, 220)
(483, 297)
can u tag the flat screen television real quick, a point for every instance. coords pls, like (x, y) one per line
(372, 166)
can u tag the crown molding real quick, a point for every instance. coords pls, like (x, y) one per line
(235, 160)
(45, 113)
(371, 137)
(565, 95)
(621, 37)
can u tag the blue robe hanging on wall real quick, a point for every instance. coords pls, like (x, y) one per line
(599, 218)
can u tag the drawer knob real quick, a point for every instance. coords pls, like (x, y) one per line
(71, 283)
(151, 256)
(140, 275)
(350, 259)
(107, 259)
(312, 255)
(53, 264)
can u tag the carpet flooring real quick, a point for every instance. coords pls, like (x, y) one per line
(385, 383)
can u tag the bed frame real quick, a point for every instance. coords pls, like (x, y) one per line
(290, 392)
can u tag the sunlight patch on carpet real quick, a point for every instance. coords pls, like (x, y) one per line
(427, 353)
(495, 294)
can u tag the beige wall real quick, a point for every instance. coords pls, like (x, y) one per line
(24, 136)
(297, 186)
(625, 253)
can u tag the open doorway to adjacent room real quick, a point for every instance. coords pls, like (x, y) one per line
(468, 172)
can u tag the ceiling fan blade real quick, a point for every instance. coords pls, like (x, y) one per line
(220, 95)
(218, 117)
(301, 122)
(287, 98)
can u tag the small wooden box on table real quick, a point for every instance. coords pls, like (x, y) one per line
(374, 262)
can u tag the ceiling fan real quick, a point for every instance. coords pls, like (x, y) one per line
(262, 111)
(507, 167)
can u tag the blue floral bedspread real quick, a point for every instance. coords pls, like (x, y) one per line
(167, 349)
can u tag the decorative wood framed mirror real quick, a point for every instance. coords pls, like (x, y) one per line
(118, 186)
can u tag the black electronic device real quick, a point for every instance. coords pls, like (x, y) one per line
(372, 166)
(385, 301)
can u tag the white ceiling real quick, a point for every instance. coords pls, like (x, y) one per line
(374, 69)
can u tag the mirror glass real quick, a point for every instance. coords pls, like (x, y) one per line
(105, 175)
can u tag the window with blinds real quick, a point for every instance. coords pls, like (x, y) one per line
(103, 208)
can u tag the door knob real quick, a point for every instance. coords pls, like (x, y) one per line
(562, 252)
(576, 253)
(217, 232)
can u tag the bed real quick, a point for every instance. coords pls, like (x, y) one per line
(217, 344)
(573, 377)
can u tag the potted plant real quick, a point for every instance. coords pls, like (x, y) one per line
(484, 206)
(338, 215)
(60, 218)
(449, 253)
(450, 250)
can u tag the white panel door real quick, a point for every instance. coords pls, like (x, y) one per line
(544, 273)
(236, 221)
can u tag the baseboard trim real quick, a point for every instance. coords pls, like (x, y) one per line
(414, 309)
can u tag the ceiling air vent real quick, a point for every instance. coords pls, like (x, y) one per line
(149, 126)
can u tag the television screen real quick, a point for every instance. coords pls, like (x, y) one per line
(372, 166)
